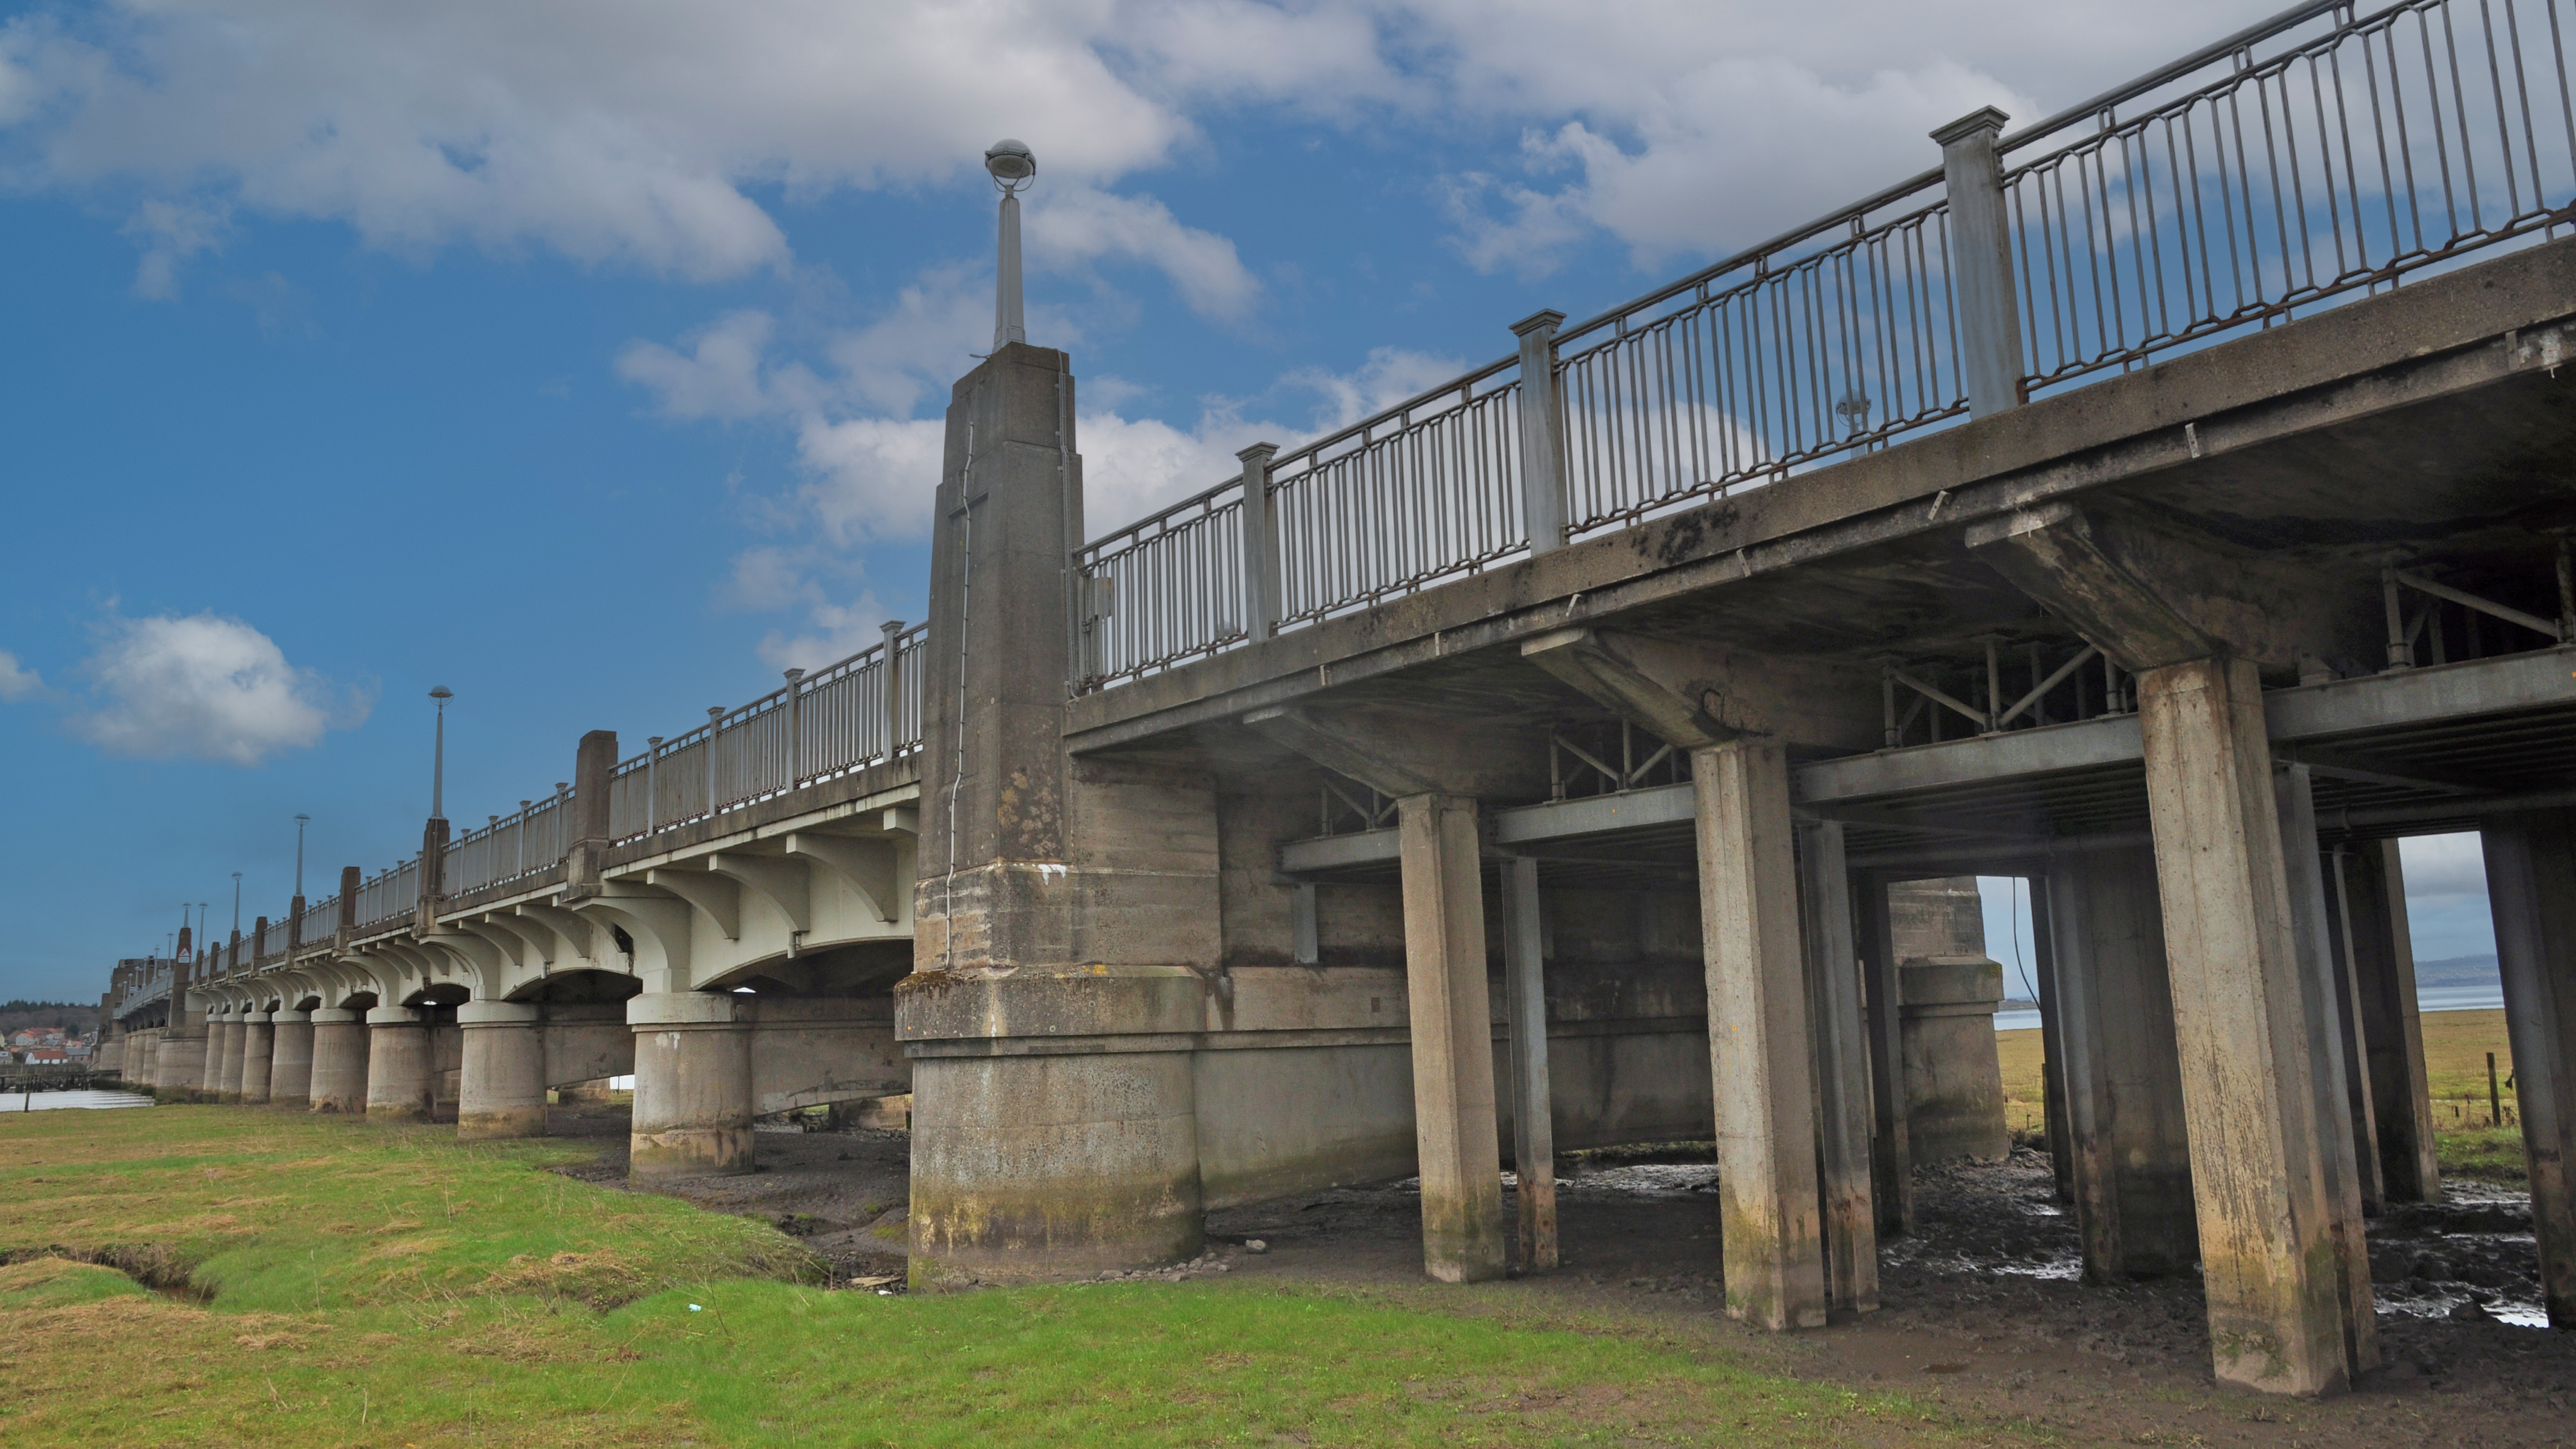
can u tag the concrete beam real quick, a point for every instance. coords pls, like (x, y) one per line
(1693, 694)
(865, 865)
(2152, 591)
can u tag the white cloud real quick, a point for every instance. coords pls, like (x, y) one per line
(18, 682)
(2443, 869)
(203, 687)
(638, 135)
(1072, 228)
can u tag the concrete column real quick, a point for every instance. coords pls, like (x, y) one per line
(2270, 1244)
(693, 1094)
(290, 1062)
(1758, 1035)
(220, 1044)
(179, 1063)
(1847, 1202)
(501, 1088)
(1891, 1149)
(1533, 1105)
(2372, 910)
(2052, 1043)
(339, 1080)
(1954, 1087)
(2531, 889)
(401, 1083)
(1452, 1030)
(2326, 1010)
(258, 1050)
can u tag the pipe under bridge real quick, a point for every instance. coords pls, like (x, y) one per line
(2168, 502)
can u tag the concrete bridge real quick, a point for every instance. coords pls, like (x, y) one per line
(2167, 502)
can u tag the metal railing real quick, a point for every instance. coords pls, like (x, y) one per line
(2320, 154)
(862, 711)
(2386, 144)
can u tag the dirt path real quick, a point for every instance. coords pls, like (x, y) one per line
(1981, 1308)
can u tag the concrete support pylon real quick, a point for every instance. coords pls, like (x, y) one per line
(1759, 1054)
(340, 1051)
(1891, 1145)
(210, 1080)
(2371, 910)
(402, 1083)
(501, 1084)
(2531, 889)
(1452, 1033)
(2271, 1245)
(290, 1062)
(2129, 1147)
(1533, 1101)
(258, 1045)
(179, 1063)
(693, 1093)
(223, 1059)
(1847, 1200)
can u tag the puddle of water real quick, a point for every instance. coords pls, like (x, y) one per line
(50, 1101)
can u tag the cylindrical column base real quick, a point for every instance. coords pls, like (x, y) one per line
(340, 1041)
(693, 1097)
(179, 1065)
(222, 1079)
(290, 1060)
(402, 1084)
(258, 1043)
(501, 1089)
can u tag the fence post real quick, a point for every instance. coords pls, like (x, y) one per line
(352, 880)
(795, 728)
(1260, 545)
(1989, 313)
(715, 729)
(1542, 450)
(890, 710)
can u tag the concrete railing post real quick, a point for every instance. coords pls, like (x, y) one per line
(352, 881)
(433, 874)
(795, 729)
(1261, 581)
(1988, 310)
(1542, 447)
(587, 840)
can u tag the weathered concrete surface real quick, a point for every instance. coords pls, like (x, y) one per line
(501, 1089)
(341, 1048)
(2531, 890)
(222, 1060)
(402, 1070)
(1533, 1117)
(1451, 1027)
(1850, 1211)
(1758, 1042)
(290, 1065)
(2372, 912)
(693, 1092)
(258, 1045)
(2269, 1235)
(1954, 1085)
(2130, 1149)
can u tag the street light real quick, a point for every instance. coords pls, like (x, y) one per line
(300, 822)
(1013, 167)
(438, 755)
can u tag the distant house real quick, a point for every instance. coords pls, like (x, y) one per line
(39, 1056)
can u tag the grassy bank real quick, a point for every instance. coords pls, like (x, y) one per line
(327, 1282)
(2467, 1139)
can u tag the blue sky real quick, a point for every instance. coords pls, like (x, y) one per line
(586, 358)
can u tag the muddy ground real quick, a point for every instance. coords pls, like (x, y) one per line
(1981, 1310)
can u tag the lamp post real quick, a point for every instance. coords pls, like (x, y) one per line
(1013, 167)
(438, 754)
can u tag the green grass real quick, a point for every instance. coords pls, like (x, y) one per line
(329, 1282)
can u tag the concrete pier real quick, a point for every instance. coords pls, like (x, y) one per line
(693, 1092)
(2370, 915)
(1451, 1026)
(290, 1064)
(2531, 889)
(1758, 1036)
(402, 1081)
(340, 1053)
(2272, 1240)
(258, 1052)
(1847, 1203)
(502, 1081)
(1954, 1086)
(222, 1079)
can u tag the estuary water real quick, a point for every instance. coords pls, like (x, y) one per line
(49, 1101)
